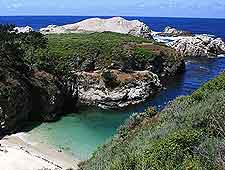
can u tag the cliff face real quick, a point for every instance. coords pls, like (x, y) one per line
(115, 89)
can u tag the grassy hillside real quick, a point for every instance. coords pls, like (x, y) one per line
(189, 134)
(100, 50)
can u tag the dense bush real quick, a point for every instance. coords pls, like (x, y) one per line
(187, 134)
(102, 50)
(17, 48)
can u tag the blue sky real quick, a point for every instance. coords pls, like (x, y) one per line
(162, 8)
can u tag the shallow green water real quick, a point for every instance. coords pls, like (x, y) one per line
(80, 133)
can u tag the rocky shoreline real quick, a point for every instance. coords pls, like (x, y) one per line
(125, 74)
(190, 45)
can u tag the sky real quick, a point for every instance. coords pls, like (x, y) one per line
(152, 8)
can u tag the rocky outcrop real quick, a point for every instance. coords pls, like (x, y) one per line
(26, 29)
(113, 89)
(198, 46)
(190, 45)
(126, 81)
(115, 24)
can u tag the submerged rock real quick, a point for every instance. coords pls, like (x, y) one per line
(113, 89)
(198, 46)
(115, 24)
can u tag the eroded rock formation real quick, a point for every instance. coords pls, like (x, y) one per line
(115, 89)
(199, 46)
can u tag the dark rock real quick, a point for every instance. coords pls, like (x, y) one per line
(169, 31)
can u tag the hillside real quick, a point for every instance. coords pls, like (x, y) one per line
(96, 51)
(187, 134)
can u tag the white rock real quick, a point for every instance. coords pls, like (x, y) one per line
(26, 29)
(199, 46)
(53, 29)
(132, 91)
(115, 24)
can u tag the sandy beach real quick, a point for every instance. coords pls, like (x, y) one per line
(16, 153)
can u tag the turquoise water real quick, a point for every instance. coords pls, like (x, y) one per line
(82, 133)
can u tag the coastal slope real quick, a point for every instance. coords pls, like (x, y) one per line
(187, 134)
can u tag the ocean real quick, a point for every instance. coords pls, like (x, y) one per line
(83, 132)
(195, 25)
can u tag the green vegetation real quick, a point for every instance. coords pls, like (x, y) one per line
(108, 44)
(100, 50)
(189, 134)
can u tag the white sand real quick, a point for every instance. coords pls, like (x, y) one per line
(18, 154)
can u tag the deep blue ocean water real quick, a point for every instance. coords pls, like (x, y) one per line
(196, 25)
(82, 132)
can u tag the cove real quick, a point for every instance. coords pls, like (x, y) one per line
(83, 132)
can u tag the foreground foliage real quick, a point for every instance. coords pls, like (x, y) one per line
(187, 134)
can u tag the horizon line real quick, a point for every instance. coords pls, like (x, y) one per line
(44, 15)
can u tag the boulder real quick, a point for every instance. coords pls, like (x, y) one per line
(115, 24)
(198, 46)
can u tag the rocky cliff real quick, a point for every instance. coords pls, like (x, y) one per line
(113, 89)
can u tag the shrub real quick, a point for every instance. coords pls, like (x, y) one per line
(188, 135)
